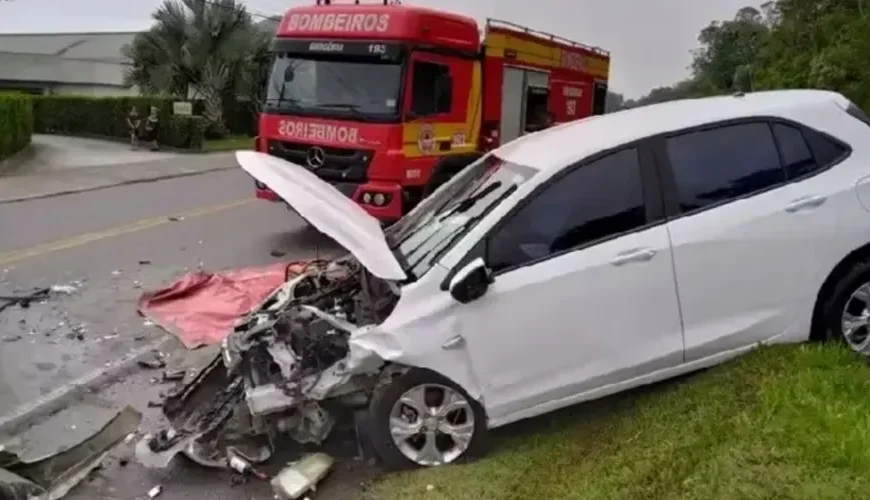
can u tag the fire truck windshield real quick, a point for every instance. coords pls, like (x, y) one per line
(328, 87)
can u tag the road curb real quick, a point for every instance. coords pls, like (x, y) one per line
(7, 201)
(59, 398)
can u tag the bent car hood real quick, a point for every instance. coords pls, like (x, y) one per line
(327, 209)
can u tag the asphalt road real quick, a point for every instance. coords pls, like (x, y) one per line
(113, 244)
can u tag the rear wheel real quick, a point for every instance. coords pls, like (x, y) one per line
(847, 310)
(423, 420)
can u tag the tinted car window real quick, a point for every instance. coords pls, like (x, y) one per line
(824, 150)
(796, 155)
(594, 201)
(711, 166)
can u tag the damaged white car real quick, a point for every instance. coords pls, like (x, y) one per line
(570, 264)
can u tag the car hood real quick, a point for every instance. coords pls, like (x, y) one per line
(327, 209)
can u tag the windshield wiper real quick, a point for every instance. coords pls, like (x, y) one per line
(466, 204)
(448, 241)
(353, 108)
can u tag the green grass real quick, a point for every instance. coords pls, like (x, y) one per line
(228, 144)
(786, 422)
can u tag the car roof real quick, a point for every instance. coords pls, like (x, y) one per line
(570, 142)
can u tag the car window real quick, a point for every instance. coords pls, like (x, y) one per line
(797, 159)
(594, 201)
(824, 150)
(804, 150)
(711, 166)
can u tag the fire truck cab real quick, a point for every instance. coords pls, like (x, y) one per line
(387, 101)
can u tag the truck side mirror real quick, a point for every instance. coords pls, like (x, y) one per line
(471, 282)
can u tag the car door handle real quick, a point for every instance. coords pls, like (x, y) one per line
(805, 202)
(635, 255)
(454, 343)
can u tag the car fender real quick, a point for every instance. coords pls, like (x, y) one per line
(422, 343)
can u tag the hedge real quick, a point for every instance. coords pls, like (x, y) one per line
(107, 117)
(16, 123)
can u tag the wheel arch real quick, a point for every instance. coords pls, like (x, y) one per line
(393, 370)
(817, 333)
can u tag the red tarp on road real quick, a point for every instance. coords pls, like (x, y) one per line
(202, 308)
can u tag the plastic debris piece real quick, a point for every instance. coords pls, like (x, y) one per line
(297, 479)
(155, 491)
(64, 289)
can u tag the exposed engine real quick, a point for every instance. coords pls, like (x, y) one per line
(279, 365)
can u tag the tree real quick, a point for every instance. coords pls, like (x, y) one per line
(729, 51)
(200, 49)
(615, 101)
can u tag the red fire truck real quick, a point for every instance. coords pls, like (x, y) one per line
(388, 101)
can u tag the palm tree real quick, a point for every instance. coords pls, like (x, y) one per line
(200, 49)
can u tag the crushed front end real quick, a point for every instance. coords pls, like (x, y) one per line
(286, 370)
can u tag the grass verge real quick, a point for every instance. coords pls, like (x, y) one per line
(785, 422)
(228, 144)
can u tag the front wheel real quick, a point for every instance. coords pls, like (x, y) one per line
(847, 310)
(422, 419)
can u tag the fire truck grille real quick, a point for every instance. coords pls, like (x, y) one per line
(329, 163)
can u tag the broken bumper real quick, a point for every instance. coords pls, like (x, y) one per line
(274, 376)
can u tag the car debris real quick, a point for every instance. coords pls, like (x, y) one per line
(153, 360)
(155, 491)
(52, 477)
(299, 478)
(281, 371)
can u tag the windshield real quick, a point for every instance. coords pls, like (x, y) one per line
(441, 219)
(332, 87)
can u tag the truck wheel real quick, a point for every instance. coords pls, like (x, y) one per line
(422, 419)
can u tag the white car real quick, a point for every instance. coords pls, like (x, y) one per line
(591, 258)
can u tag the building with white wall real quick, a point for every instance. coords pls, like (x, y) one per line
(65, 63)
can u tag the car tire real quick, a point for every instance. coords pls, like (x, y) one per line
(843, 304)
(387, 407)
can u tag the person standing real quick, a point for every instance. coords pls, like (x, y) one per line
(152, 124)
(133, 123)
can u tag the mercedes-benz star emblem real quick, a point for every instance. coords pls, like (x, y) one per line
(315, 157)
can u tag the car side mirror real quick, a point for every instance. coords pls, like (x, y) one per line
(471, 282)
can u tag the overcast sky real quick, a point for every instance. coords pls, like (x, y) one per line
(649, 40)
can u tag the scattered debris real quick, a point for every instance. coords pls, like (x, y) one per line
(12, 338)
(144, 262)
(173, 375)
(299, 478)
(139, 338)
(22, 301)
(63, 289)
(147, 322)
(244, 467)
(155, 404)
(155, 491)
(277, 253)
(54, 476)
(116, 272)
(174, 218)
(153, 360)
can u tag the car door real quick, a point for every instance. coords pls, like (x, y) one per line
(744, 232)
(583, 293)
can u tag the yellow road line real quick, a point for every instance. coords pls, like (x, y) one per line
(83, 239)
